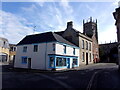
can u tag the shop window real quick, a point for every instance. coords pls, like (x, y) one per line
(51, 62)
(75, 61)
(60, 61)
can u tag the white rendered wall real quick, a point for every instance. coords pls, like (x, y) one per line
(40, 59)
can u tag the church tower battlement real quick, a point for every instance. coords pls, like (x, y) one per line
(90, 28)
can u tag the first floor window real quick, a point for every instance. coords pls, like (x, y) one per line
(35, 48)
(24, 60)
(90, 46)
(25, 49)
(75, 61)
(60, 61)
(53, 46)
(64, 49)
(51, 61)
(73, 51)
(82, 44)
(86, 45)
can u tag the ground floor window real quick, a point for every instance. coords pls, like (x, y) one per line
(51, 61)
(60, 61)
(75, 61)
(90, 57)
(83, 56)
(24, 60)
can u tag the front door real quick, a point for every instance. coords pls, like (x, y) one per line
(29, 63)
(86, 58)
(68, 63)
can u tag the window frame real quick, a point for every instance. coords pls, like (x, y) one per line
(83, 57)
(35, 49)
(23, 60)
(82, 44)
(64, 49)
(52, 65)
(75, 63)
(90, 57)
(90, 46)
(74, 51)
(24, 48)
(54, 47)
(86, 45)
(63, 62)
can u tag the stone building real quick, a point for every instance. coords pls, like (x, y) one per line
(116, 15)
(90, 29)
(81, 40)
(4, 50)
(109, 52)
(12, 52)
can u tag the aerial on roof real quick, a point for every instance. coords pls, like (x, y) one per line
(43, 37)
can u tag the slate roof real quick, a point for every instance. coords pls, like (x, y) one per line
(44, 37)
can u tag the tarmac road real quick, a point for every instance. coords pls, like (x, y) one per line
(102, 75)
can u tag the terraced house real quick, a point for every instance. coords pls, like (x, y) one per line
(56, 50)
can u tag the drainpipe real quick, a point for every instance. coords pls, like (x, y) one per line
(45, 54)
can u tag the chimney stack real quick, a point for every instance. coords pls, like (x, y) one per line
(70, 24)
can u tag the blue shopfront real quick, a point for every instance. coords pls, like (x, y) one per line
(60, 61)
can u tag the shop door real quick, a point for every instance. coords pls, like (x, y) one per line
(68, 63)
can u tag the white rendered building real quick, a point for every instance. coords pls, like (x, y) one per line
(46, 51)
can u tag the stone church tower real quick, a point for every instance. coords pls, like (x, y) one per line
(90, 29)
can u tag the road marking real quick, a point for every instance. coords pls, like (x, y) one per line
(91, 80)
(57, 81)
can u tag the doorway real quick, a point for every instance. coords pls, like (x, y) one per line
(86, 58)
(29, 63)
